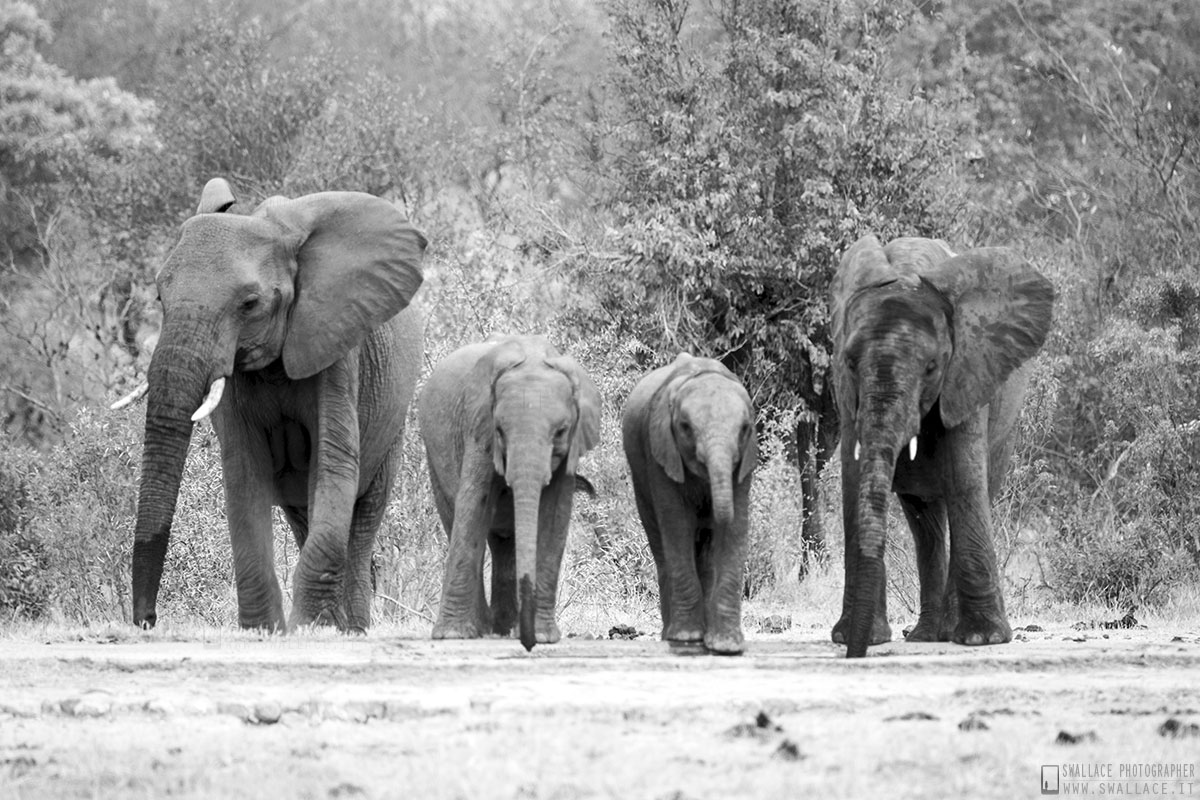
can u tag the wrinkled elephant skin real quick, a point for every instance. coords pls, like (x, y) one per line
(930, 370)
(688, 433)
(289, 324)
(505, 423)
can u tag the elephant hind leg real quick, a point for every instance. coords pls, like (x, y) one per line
(364, 525)
(504, 581)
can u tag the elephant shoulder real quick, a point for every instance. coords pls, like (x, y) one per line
(637, 405)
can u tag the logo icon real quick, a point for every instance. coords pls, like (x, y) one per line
(1049, 778)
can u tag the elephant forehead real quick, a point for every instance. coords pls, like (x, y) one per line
(212, 244)
(533, 386)
(714, 397)
(899, 312)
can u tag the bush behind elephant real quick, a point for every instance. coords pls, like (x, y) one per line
(505, 423)
(289, 325)
(689, 438)
(928, 353)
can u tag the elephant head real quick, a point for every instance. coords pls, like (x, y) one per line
(702, 421)
(921, 336)
(541, 413)
(286, 290)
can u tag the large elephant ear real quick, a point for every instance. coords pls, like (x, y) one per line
(358, 265)
(216, 197)
(1002, 314)
(663, 447)
(749, 454)
(504, 354)
(864, 264)
(587, 400)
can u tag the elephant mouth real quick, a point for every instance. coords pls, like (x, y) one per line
(254, 358)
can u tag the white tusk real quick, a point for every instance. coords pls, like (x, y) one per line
(912, 449)
(131, 398)
(210, 402)
(857, 450)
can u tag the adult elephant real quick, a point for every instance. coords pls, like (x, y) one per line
(505, 423)
(287, 325)
(688, 432)
(928, 354)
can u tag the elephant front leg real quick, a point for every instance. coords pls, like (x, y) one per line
(684, 620)
(939, 611)
(554, 518)
(462, 584)
(333, 491)
(727, 565)
(645, 507)
(973, 570)
(368, 515)
(248, 509)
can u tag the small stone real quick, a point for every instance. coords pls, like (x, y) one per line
(788, 751)
(1175, 729)
(922, 716)
(267, 712)
(1066, 737)
(973, 723)
(623, 632)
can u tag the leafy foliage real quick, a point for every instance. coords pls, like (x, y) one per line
(740, 154)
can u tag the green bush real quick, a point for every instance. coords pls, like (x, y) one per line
(24, 587)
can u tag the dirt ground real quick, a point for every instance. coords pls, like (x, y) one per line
(226, 715)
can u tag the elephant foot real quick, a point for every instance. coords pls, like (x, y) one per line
(546, 632)
(325, 617)
(980, 628)
(725, 643)
(457, 629)
(504, 619)
(932, 627)
(880, 630)
(683, 631)
(267, 624)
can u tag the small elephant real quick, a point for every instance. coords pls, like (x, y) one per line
(289, 325)
(688, 432)
(928, 348)
(505, 423)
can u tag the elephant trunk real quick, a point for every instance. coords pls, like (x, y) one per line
(886, 415)
(527, 475)
(874, 488)
(720, 479)
(178, 382)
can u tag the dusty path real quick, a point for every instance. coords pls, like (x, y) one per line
(391, 717)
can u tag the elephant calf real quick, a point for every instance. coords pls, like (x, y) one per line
(688, 431)
(505, 422)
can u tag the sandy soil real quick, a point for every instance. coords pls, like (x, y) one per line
(229, 716)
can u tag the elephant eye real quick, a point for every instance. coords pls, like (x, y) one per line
(250, 303)
(560, 431)
(685, 428)
(931, 367)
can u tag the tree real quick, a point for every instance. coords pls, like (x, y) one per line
(741, 151)
(55, 132)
